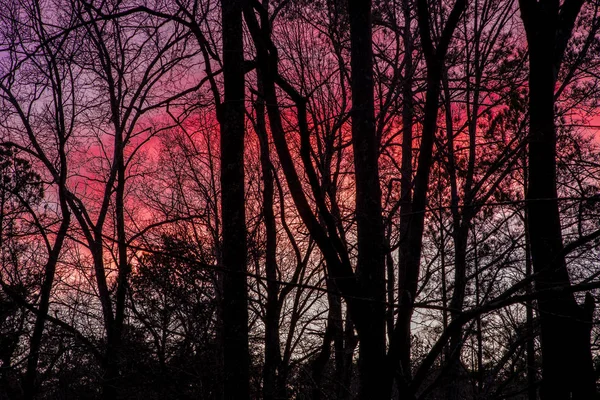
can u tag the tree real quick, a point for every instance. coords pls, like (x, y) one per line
(231, 118)
(298, 199)
(370, 263)
(399, 353)
(567, 369)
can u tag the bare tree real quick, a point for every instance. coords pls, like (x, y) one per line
(235, 298)
(567, 369)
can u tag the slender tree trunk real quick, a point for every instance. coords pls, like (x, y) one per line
(333, 334)
(30, 382)
(114, 326)
(456, 304)
(236, 358)
(480, 365)
(109, 364)
(530, 327)
(462, 220)
(339, 346)
(123, 265)
(273, 308)
(412, 259)
(350, 342)
(410, 265)
(319, 364)
(406, 178)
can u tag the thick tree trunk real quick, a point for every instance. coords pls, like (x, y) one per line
(236, 358)
(567, 369)
(563, 322)
(371, 250)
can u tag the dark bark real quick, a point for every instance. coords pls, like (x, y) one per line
(236, 358)
(365, 291)
(30, 381)
(459, 236)
(333, 335)
(410, 264)
(530, 331)
(320, 362)
(567, 369)
(113, 319)
(456, 305)
(327, 240)
(350, 343)
(461, 221)
(370, 267)
(115, 328)
(340, 346)
(329, 243)
(273, 305)
(407, 171)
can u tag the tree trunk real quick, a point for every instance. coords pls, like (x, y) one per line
(236, 358)
(407, 171)
(530, 330)
(456, 304)
(410, 264)
(371, 254)
(273, 308)
(567, 369)
(563, 333)
(30, 382)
